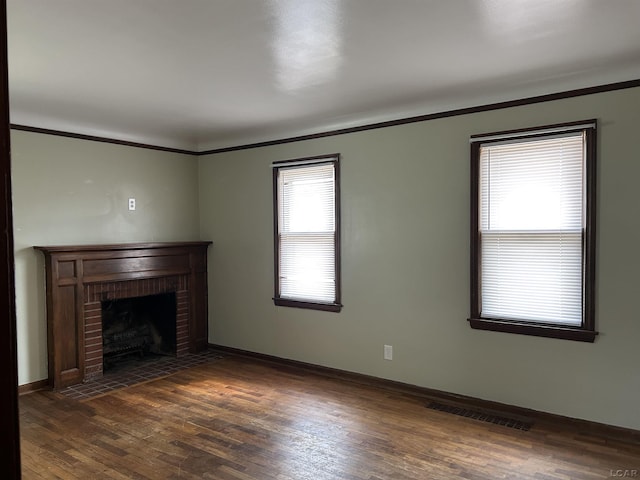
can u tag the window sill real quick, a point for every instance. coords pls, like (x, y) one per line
(326, 307)
(550, 331)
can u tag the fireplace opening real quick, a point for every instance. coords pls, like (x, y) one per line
(138, 326)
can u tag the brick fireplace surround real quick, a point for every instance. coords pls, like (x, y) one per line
(95, 294)
(79, 278)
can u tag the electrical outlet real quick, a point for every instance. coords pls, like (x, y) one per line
(388, 352)
(132, 204)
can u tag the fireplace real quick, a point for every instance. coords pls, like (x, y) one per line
(138, 326)
(83, 281)
(99, 294)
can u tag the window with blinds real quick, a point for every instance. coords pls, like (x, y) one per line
(306, 206)
(533, 231)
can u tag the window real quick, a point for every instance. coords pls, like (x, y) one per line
(307, 233)
(533, 231)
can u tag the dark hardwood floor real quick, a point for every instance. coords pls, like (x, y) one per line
(240, 419)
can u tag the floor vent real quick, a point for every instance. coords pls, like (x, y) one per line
(482, 416)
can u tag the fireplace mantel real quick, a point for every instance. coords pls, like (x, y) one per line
(79, 276)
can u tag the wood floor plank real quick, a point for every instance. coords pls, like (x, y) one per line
(242, 419)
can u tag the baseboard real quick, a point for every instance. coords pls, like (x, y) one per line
(528, 415)
(34, 387)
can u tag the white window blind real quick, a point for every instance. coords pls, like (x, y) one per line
(306, 232)
(531, 222)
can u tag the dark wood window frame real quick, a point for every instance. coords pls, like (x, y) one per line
(585, 332)
(335, 306)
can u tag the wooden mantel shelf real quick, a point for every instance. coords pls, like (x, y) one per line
(78, 277)
(119, 246)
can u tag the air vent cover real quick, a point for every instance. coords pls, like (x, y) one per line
(482, 416)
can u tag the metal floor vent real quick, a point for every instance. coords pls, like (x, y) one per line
(482, 416)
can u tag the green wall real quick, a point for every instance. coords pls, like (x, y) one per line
(70, 192)
(405, 270)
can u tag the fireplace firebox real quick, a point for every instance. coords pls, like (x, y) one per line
(83, 280)
(138, 326)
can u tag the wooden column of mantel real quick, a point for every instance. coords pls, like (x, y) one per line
(70, 268)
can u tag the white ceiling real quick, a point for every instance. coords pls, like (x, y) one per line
(204, 74)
